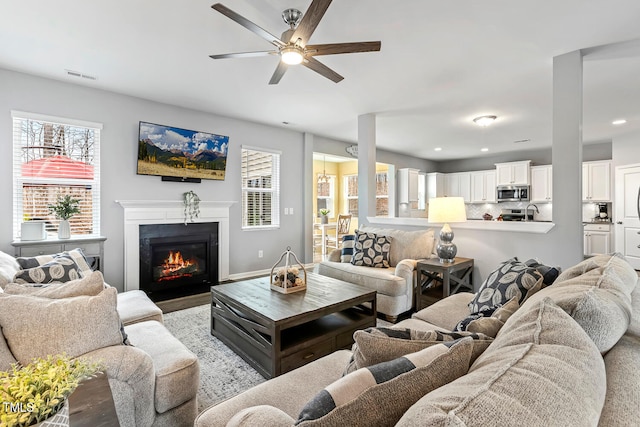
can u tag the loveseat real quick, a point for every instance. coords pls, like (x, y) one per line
(153, 377)
(566, 355)
(394, 284)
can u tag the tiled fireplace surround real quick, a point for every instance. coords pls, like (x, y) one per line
(138, 212)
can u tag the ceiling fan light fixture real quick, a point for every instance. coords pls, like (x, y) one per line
(291, 55)
(484, 121)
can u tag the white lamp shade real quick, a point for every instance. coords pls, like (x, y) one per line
(447, 209)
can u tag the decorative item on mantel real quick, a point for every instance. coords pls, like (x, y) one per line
(191, 206)
(64, 208)
(286, 279)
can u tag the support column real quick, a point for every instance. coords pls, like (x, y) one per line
(366, 167)
(308, 183)
(567, 156)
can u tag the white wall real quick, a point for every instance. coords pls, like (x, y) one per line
(120, 115)
(625, 150)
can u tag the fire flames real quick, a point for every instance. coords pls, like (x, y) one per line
(175, 266)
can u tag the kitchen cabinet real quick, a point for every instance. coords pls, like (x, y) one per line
(597, 239)
(458, 185)
(596, 181)
(435, 185)
(541, 184)
(513, 173)
(408, 185)
(483, 186)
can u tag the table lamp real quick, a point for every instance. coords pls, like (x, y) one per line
(446, 210)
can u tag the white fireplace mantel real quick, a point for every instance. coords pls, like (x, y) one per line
(139, 212)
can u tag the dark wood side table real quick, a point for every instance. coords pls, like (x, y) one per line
(91, 404)
(432, 271)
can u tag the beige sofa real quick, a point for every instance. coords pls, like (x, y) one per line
(154, 380)
(394, 285)
(568, 356)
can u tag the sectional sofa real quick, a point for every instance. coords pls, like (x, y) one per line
(153, 377)
(566, 355)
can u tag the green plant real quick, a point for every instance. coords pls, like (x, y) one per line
(65, 207)
(35, 392)
(324, 212)
(191, 206)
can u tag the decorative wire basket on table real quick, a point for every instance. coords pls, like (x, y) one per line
(286, 278)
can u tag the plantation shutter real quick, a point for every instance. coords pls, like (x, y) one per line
(54, 157)
(260, 188)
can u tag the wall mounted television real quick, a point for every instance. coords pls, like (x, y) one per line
(180, 154)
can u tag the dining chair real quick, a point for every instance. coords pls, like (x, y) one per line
(342, 228)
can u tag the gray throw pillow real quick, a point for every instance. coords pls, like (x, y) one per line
(90, 285)
(75, 254)
(62, 269)
(36, 327)
(380, 394)
(377, 345)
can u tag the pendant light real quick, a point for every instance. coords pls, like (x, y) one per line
(323, 179)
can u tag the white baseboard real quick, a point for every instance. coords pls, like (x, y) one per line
(258, 273)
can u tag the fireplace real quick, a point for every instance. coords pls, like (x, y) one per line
(178, 260)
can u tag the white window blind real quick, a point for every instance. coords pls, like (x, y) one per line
(54, 157)
(260, 188)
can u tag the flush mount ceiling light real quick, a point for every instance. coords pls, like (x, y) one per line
(484, 121)
(437, 149)
(484, 150)
(619, 122)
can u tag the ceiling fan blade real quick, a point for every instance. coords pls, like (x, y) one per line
(322, 69)
(248, 24)
(310, 20)
(336, 48)
(277, 75)
(244, 54)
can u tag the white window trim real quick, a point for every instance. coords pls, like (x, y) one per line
(18, 180)
(275, 206)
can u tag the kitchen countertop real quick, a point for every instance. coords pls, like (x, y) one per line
(537, 227)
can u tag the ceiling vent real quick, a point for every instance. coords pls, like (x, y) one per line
(82, 75)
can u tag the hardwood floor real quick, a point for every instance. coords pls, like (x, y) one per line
(184, 302)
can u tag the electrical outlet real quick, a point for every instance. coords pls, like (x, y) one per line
(286, 211)
(290, 211)
(260, 253)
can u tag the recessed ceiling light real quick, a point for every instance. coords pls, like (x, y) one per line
(485, 149)
(484, 120)
(437, 149)
(619, 122)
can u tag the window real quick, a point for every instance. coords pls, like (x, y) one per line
(382, 194)
(260, 188)
(53, 157)
(326, 194)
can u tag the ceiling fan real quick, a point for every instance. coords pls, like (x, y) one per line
(292, 47)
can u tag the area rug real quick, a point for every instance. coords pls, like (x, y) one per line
(223, 373)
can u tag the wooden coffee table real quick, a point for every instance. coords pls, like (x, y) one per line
(276, 333)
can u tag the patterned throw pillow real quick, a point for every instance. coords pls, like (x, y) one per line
(62, 269)
(550, 274)
(490, 321)
(348, 243)
(371, 250)
(511, 279)
(381, 394)
(377, 345)
(76, 255)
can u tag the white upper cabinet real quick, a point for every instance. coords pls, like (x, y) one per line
(596, 181)
(458, 185)
(435, 185)
(513, 173)
(407, 185)
(541, 184)
(483, 186)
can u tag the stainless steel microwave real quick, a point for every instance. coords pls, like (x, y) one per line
(513, 193)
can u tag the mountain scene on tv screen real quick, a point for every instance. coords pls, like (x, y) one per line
(170, 151)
